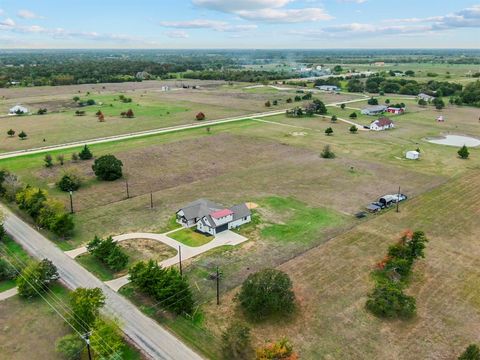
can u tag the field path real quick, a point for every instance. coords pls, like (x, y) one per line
(150, 337)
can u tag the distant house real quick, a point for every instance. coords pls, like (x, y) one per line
(18, 109)
(426, 97)
(396, 111)
(328, 88)
(383, 123)
(211, 218)
(379, 63)
(374, 110)
(412, 155)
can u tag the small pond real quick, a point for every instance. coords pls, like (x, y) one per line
(455, 140)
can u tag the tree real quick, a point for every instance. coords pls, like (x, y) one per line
(353, 129)
(439, 103)
(267, 292)
(333, 119)
(129, 114)
(76, 98)
(200, 116)
(11, 132)
(7, 271)
(106, 340)
(267, 103)
(70, 181)
(275, 102)
(327, 153)
(372, 101)
(472, 352)
(319, 107)
(422, 102)
(107, 168)
(328, 131)
(61, 158)
(3, 232)
(387, 101)
(289, 100)
(85, 154)
(338, 68)
(70, 346)
(108, 252)
(388, 300)
(42, 111)
(48, 160)
(23, 135)
(280, 350)
(236, 342)
(353, 115)
(101, 118)
(463, 152)
(85, 305)
(36, 278)
(342, 106)
(164, 285)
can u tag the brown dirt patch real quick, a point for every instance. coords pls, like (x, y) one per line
(146, 249)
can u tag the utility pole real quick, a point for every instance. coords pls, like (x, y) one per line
(218, 286)
(86, 337)
(180, 259)
(398, 200)
(71, 201)
(126, 186)
(151, 200)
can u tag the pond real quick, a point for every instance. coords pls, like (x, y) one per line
(455, 140)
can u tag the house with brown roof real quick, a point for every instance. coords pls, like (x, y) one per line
(212, 218)
(383, 123)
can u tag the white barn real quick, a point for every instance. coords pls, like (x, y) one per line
(18, 109)
(412, 155)
(211, 218)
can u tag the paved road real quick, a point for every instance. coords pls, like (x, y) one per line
(165, 130)
(150, 337)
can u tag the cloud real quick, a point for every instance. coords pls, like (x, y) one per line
(7, 23)
(273, 11)
(2, 11)
(352, 1)
(221, 26)
(176, 34)
(27, 14)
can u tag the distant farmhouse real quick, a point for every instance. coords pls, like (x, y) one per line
(383, 123)
(328, 88)
(379, 63)
(395, 110)
(211, 218)
(426, 97)
(18, 109)
(374, 110)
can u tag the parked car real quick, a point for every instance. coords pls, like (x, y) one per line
(373, 208)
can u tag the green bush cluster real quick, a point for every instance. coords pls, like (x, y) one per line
(107, 168)
(164, 285)
(108, 252)
(36, 278)
(46, 212)
(388, 299)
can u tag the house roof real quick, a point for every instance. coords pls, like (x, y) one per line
(221, 213)
(375, 108)
(199, 208)
(238, 211)
(383, 121)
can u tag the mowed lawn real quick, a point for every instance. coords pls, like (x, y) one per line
(190, 237)
(332, 280)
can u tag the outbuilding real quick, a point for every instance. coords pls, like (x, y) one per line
(374, 110)
(412, 155)
(395, 110)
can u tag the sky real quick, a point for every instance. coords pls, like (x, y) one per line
(237, 24)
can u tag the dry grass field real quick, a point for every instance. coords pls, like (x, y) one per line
(331, 282)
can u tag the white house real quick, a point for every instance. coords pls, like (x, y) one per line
(328, 88)
(412, 155)
(374, 110)
(18, 109)
(211, 218)
(426, 97)
(382, 124)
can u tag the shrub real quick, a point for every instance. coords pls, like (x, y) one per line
(333, 119)
(342, 106)
(422, 102)
(280, 350)
(23, 135)
(107, 168)
(75, 157)
(129, 114)
(388, 300)
(289, 100)
(42, 111)
(61, 159)
(63, 225)
(328, 131)
(200, 116)
(327, 153)
(236, 342)
(353, 129)
(463, 152)
(7, 271)
(268, 104)
(11, 132)
(85, 154)
(36, 278)
(70, 346)
(372, 101)
(275, 102)
(353, 115)
(267, 292)
(472, 352)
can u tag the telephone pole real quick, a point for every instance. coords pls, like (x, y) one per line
(151, 200)
(398, 200)
(86, 337)
(217, 277)
(71, 201)
(126, 187)
(180, 259)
